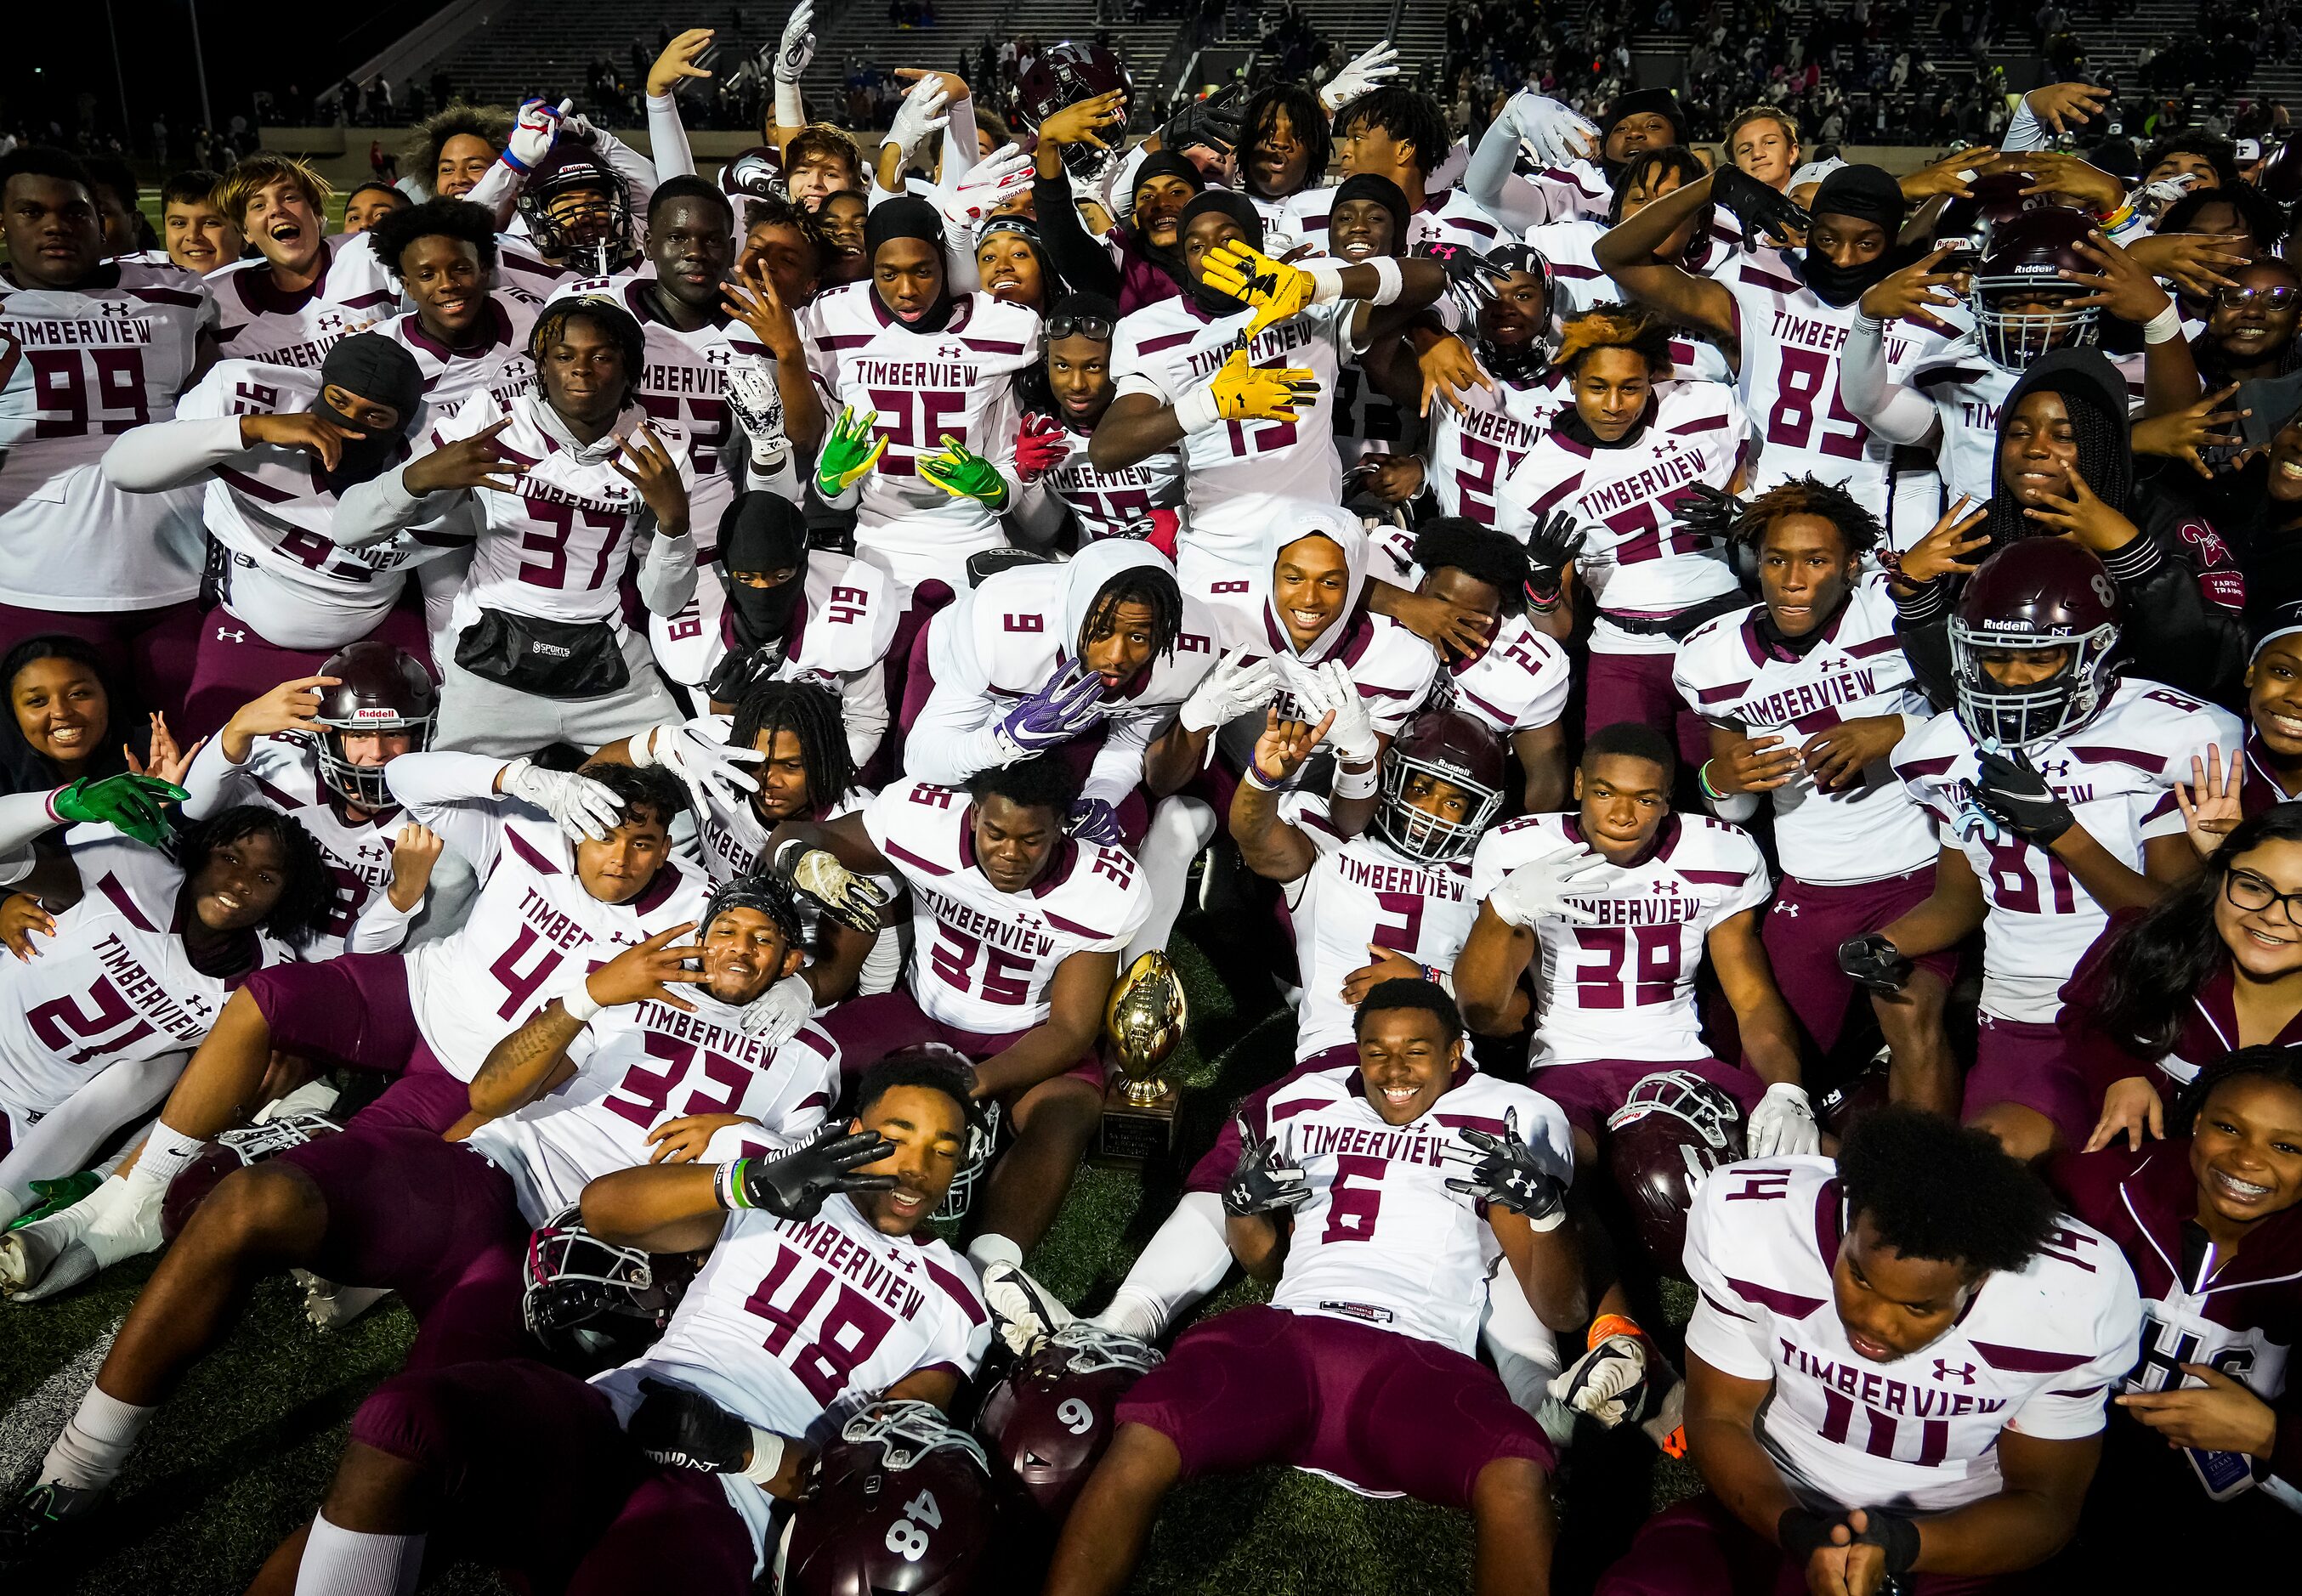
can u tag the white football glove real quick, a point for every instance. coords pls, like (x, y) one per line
(1540, 889)
(697, 752)
(1783, 1124)
(759, 407)
(1236, 686)
(1608, 1383)
(775, 1015)
(1023, 1312)
(1320, 688)
(990, 183)
(1553, 133)
(535, 133)
(1362, 72)
(920, 113)
(582, 806)
(798, 47)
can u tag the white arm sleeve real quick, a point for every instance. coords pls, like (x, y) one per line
(667, 138)
(499, 192)
(635, 169)
(167, 454)
(863, 705)
(430, 780)
(2026, 131)
(381, 928)
(65, 1138)
(668, 573)
(1038, 513)
(371, 511)
(954, 735)
(960, 154)
(1897, 413)
(214, 781)
(24, 817)
(1118, 767)
(1492, 160)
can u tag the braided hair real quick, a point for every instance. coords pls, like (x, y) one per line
(604, 313)
(810, 712)
(2105, 460)
(1806, 496)
(1152, 586)
(308, 890)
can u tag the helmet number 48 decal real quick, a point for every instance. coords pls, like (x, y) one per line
(906, 1537)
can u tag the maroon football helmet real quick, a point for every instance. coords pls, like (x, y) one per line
(2036, 595)
(1050, 1418)
(1673, 1130)
(1858, 1095)
(1064, 74)
(754, 173)
(1445, 745)
(230, 1152)
(578, 210)
(2022, 260)
(378, 689)
(591, 1304)
(902, 1506)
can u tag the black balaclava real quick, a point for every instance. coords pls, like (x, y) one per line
(762, 532)
(1867, 194)
(2095, 395)
(1240, 209)
(908, 216)
(375, 369)
(1390, 196)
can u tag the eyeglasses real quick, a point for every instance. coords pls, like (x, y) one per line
(2230, 296)
(2246, 890)
(1098, 328)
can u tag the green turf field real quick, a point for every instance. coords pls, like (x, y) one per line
(238, 1460)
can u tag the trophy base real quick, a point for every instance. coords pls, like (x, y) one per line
(1136, 1130)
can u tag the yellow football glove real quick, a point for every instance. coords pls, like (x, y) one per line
(1276, 289)
(1244, 393)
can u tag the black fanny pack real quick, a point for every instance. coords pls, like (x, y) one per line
(549, 659)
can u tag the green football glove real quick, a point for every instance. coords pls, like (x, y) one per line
(130, 804)
(963, 474)
(848, 453)
(54, 1197)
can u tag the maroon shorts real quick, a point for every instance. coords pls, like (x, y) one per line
(1213, 1171)
(1807, 923)
(353, 1011)
(868, 1029)
(1588, 1092)
(1385, 1411)
(1698, 1548)
(532, 1473)
(2030, 1065)
(233, 664)
(1638, 687)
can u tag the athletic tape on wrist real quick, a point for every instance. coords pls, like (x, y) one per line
(767, 1457)
(1353, 784)
(1389, 279)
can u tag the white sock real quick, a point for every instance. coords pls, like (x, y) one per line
(94, 1447)
(1186, 1260)
(166, 1151)
(340, 1562)
(1525, 1352)
(1179, 827)
(991, 1247)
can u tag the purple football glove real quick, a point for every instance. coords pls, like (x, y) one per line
(1059, 711)
(1093, 820)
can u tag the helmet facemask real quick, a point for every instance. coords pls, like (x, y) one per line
(1420, 834)
(586, 223)
(586, 1296)
(2020, 717)
(982, 1141)
(364, 786)
(2014, 339)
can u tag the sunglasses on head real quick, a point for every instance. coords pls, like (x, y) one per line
(1098, 328)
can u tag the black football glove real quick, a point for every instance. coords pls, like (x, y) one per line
(1266, 1180)
(2012, 792)
(793, 1186)
(1874, 963)
(1553, 544)
(684, 1429)
(1708, 513)
(1759, 208)
(1212, 123)
(1894, 1534)
(1506, 1173)
(1471, 277)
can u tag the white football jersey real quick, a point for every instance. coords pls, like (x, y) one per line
(1364, 892)
(1519, 682)
(925, 387)
(1623, 987)
(495, 362)
(114, 983)
(2118, 773)
(1635, 561)
(1382, 1240)
(260, 321)
(1729, 674)
(1390, 666)
(1110, 504)
(2036, 1351)
(644, 1064)
(1470, 454)
(1790, 344)
(78, 368)
(270, 508)
(1968, 391)
(283, 773)
(793, 1315)
(558, 544)
(1237, 475)
(982, 959)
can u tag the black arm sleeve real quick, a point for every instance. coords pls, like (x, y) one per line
(1087, 267)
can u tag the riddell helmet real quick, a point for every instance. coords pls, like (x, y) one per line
(591, 1304)
(594, 236)
(378, 689)
(1064, 74)
(1673, 1130)
(2036, 595)
(756, 173)
(1444, 745)
(1050, 1420)
(2024, 258)
(903, 1505)
(230, 1152)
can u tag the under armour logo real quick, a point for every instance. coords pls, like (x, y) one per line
(1786, 909)
(107, 307)
(950, 352)
(720, 356)
(1942, 1371)
(332, 322)
(2058, 769)
(224, 636)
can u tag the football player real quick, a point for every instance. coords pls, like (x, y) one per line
(465, 337)
(369, 204)
(2051, 784)
(1016, 931)
(455, 146)
(578, 197)
(565, 480)
(681, 1461)
(1345, 1199)
(1896, 1367)
(1806, 694)
(1370, 219)
(1763, 141)
(1287, 146)
(296, 297)
(1400, 134)
(1068, 393)
(1613, 908)
(197, 235)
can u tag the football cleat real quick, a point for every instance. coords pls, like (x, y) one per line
(37, 1521)
(1023, 1312)
(330, 1307)
(89, 1238)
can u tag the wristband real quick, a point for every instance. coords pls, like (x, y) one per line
(1702, 779)
(1326, 279)
(727, 1186)
(767, 1457)
(579, 1003)
(1196, 412)
(1800, 1533)
(1389, 281)
(1353, 784)
(1254, 778)
(1895, 1536)
(2164, 327)
(1612, 1324)
(2117, 218)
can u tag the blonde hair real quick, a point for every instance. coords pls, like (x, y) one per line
(1612, 326)
(1750, 113)
(261, 170)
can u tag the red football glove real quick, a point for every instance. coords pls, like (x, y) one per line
(1040, 447)
(1166, 527)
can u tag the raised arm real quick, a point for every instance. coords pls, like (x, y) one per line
(1274, 848)
(1625, 252)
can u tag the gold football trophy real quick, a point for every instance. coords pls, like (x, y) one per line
(1144, 1020)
